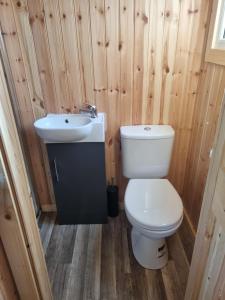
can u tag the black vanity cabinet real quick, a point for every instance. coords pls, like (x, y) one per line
(78, 174)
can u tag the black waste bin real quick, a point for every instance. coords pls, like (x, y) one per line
(113, 200)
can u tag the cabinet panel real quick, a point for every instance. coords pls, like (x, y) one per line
(78, 173)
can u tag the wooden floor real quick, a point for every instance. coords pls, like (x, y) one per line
(96, 262)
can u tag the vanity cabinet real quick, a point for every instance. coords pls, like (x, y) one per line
(78, 175)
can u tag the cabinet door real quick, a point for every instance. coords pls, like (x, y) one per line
(78, 172)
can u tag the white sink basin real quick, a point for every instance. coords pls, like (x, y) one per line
(64, 128)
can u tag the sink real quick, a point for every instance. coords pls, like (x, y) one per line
(69, 128)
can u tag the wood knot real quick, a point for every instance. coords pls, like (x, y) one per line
(110, 142)
(167, 14)
(107, 44)
(124, 8)
(99, 43)
(79, 17)
(7, 216)
(192, 11)
(42, 104)
(64, 16)
(145, 18)
(18, 3)
(139, 69)
(167, 69)
(120, 46)
(31, 20)
(50, 15)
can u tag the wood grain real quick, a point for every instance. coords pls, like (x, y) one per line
(208, 256)
(99, 263)
(11, 232)
(21, 199)
(138, 61)
(211, 89)
(7, 285)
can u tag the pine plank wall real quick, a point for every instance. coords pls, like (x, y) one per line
(7, 285)
(140, 61)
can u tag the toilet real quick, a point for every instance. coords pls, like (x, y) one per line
(152, 205)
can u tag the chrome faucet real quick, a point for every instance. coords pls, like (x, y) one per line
(90, 110)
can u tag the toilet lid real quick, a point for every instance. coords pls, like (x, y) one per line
(153, 203)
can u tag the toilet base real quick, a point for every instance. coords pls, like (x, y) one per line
(150, 253)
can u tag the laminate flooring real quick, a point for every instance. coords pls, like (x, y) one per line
(96, 262)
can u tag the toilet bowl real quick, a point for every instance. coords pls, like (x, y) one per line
(152, 205)
(155, 211)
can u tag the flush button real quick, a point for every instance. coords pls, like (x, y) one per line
(147, 128)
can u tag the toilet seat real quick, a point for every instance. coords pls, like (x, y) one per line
(153, 204)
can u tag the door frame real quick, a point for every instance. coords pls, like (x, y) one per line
(21, 195)
(206, 220)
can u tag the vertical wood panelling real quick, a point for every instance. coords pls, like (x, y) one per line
(141, 43)
(171, 15)
(25, 101)
(206, 278)
(55, 38)
(7, 285)
(99, 45)
(113, 79)
(126, 44)
(38, 26)
(211, 89)
(159, 12)
(190, 46)
(29, 55)
(70, 47)
(83, 23)
(138, 61)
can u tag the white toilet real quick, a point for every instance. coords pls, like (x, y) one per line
(152, 205)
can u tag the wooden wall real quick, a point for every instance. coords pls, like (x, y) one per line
(8, 289)
(7, 286)
(138, 61)
(206, 277)
(208, 104)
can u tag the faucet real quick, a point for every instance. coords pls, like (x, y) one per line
(89, 109)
